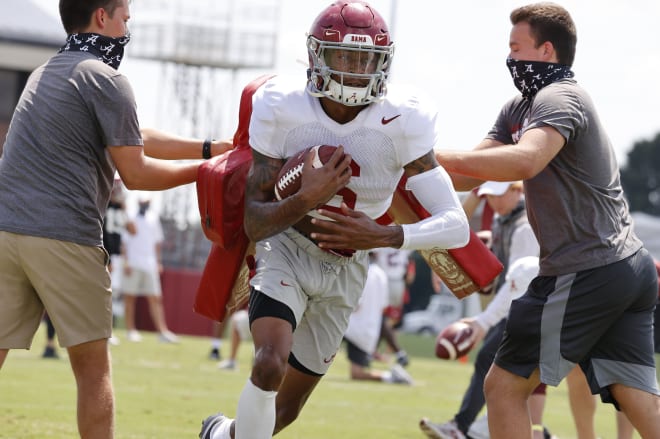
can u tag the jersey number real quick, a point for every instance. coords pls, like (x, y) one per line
(345, 195)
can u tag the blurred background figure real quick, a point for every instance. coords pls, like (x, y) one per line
(515, 245)
(141, 271)
(115, 223)
(216, 340)
(419, 283)
(50, 351)
(239, 326)
(394, 263)
(365, 326)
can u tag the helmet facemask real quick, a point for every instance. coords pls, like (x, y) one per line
(346, 72)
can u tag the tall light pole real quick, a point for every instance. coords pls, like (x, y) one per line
(393, 14)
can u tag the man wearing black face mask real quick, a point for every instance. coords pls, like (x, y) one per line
(592, 303)
(74, 125)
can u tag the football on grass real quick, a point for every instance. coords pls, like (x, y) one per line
(454, 341)
(290, 177)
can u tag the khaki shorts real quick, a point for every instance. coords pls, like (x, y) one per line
(141, 282)
(70, 281)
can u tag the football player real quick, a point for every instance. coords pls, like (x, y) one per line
(312, 247)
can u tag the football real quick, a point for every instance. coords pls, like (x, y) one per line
(454, 341)
(290, 177)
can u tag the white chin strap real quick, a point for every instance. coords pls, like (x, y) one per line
(348, 95)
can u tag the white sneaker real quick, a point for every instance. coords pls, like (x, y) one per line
(133, 336)
(114, 340)
(448, 430)
(402, 358)
(227, 364)
(168, 337)
(219, 425)
(400, 376)
(479, 428)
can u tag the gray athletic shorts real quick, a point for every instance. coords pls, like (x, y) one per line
(320, 288)
(600, 318)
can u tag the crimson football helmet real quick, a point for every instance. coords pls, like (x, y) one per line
(349, 53)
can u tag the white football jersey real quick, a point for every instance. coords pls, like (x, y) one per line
(382, 139)
(393, 260)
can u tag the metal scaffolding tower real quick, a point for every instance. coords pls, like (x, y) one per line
(199, 45)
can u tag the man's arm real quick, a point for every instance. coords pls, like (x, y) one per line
(145, 173)
(462, 182)
(494, 161)
(162, 145)
(264, 216)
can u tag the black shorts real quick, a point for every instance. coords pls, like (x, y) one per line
(601, 319)
(263, 306)
(357, 355)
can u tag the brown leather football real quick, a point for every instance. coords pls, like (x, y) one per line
(290, 177)
(455, 341)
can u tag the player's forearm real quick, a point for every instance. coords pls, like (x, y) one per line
(265, 219)
(447, 227)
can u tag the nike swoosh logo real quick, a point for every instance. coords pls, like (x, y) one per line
(386, 121)
(329, 360)
(284, 284)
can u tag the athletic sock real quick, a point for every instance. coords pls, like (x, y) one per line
(255, 416)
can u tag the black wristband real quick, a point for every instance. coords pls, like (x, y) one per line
(206, 149)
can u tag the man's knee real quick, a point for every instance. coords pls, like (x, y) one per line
(90, 360)
(497, 383)
(501, 384)
(268, 369)
(490, 384)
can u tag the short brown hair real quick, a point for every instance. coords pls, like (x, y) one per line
(550, 22)
(76, 14)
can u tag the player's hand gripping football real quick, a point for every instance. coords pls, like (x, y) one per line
(320, 184)
(351, 229)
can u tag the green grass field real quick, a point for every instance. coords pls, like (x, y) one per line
(164, 391)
